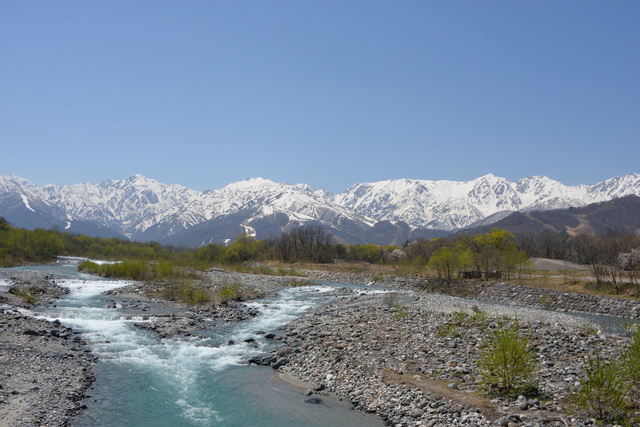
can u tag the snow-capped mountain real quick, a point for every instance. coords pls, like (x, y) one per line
(382, 212)
(24, 205)
(120, 204)
(449, 205)
(258, 204)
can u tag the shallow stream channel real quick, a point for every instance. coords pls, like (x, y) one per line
(143, 380)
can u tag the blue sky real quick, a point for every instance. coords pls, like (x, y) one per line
(328, 93)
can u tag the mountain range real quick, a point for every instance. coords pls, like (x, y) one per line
(384, 212)
(621, 215)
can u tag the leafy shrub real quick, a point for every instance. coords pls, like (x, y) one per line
(194, 295)
(136, 270)
(229, 293)
(163, 269)
(201, 296)
(507, 364)
(603, 394)
(632, 366)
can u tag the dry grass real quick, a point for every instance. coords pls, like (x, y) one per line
(345, 267)
(578, 281)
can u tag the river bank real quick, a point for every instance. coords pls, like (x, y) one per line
(45, 368)
(56, 399)
(414, 369)
(496, 292)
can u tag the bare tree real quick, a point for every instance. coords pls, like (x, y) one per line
(630, 262)
(308, 243)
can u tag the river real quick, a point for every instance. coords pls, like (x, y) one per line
(143, 380)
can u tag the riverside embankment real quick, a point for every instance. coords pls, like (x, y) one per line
(496, 292)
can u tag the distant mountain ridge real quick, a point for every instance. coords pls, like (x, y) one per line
(451, 205)
(383, 212)
(621, 215)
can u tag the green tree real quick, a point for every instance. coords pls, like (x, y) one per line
(604, 392)
(449, 260)
(244, 248)
(507, 363)
(494, 250)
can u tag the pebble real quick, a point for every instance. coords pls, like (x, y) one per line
(44, 372)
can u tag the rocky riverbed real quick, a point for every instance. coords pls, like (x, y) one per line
(412, 359)
(172, 318)
(497, 292)
(416, 364)
(45, 368)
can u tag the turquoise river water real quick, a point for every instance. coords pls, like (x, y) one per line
(145, 381)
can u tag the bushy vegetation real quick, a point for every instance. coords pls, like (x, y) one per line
(603, 394)
(136, 270)
(496, 254)
(187, 293)
(611, 390)
(229, 293)
(20, 246)
(507, 364)
(632, 366)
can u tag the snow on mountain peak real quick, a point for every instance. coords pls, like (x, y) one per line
(141, 206)
(14, 183)
(453, 204)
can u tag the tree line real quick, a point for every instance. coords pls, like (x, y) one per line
(609, 257)
(494, 253)
(19, 246)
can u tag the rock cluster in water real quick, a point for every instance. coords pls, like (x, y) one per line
(168, 319)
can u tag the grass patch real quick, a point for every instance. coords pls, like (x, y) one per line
(25, 294)
(460, 320)
(400, 313)
(187, 293)
(229, 293)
